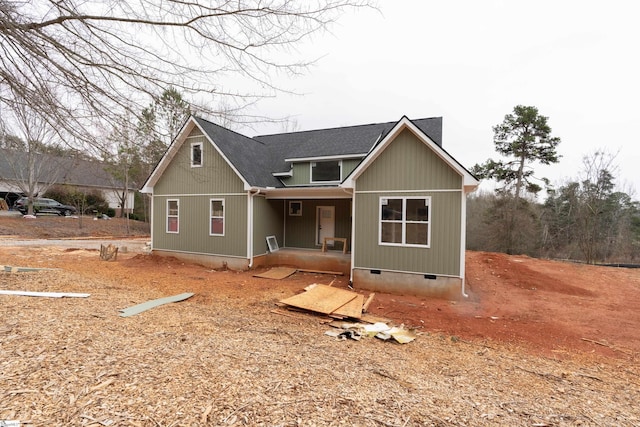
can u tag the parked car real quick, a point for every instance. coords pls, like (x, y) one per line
(44, 206)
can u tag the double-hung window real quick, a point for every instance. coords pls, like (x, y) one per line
(173, 215)
(196, 154)
(405, 221)
(216, 215)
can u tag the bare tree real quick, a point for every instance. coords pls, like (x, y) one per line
(26, 164)
(83, 60)
(124, 163)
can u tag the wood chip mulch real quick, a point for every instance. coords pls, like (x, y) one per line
(221, 362)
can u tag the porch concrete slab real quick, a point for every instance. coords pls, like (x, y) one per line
(310, 259)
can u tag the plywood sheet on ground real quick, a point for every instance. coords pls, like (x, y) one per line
(276, 273)
(322, 298)
(351, 309)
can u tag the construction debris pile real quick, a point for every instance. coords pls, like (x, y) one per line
(342, 304)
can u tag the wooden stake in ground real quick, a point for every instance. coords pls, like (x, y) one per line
(108, 253)
(365, 307)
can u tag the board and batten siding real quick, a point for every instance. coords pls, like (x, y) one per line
(194, 187)
(408, 164)
(443, 255)
(300, 231)
(268, 219)
(194, 220)
(215, 175)
(409, 168)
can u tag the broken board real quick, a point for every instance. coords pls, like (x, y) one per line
(322, 299)
(351, 309)
(10, 269)
(136, 309)
(45, 294)
(278, 273)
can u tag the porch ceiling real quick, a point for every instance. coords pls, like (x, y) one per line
(307, 193)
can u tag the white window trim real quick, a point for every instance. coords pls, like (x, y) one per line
(224, 214)
(173, 216)
(193, 144)
(404, 221)
(324, 182)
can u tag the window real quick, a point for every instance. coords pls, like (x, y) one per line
(172, 216)
(196, 154)
(216, 227)
(295, 208)
(405, 221)
(329, 171)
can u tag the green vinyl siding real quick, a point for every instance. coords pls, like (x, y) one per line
(443, 256)
(215, 175)
(408, 164)
(348, 166)
(194, 220)
(301, 175)
(300, 231)
(409, 168)
(268, 219)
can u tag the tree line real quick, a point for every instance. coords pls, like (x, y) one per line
(587, 218)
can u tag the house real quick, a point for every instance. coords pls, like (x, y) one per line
(48, 169)
(388, 191)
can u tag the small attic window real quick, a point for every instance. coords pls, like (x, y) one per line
(326, 171)
(196, 154)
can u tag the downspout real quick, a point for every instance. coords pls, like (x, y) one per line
(151, 221)
(353, 228)
(250, 197)
(463, 238)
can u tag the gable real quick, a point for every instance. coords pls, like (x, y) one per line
(408, 164)
(215, 175)
(468, 181)
(255, 161)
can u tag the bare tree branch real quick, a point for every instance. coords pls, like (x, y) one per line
(77, 62)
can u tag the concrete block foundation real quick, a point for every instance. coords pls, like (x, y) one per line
(426, 285)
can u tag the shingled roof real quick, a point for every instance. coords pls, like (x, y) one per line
(59, 169)
(257, 158)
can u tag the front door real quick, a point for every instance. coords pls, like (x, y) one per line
(325, 224)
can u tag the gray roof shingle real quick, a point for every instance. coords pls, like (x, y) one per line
(259, 157)
(61, 170)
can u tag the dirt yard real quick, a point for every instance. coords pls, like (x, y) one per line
(536, 343)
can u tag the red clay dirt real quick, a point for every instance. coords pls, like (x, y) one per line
(551, 308)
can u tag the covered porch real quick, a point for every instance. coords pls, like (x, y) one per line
(309, 259)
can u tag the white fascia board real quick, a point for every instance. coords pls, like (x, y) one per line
(168, 156)
(173, 149)
(283, 174)
(321, 158)
(405, 123)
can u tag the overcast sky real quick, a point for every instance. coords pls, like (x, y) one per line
(471, 62)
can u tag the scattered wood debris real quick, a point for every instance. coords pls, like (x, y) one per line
(45, 295)
(334, 273)
(327, 300)
(379, 330)
(277, 273)
(342, 304)
(109, 252)
(14, 269)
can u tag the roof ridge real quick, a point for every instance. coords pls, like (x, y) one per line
(345, 127)
(226, 129)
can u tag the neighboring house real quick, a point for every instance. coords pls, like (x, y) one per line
(389, 189)
(49, 169)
